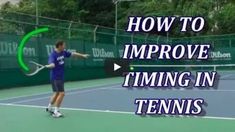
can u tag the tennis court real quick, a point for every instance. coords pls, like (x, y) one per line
(95, 100)
(97, 106)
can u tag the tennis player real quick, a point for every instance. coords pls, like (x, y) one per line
(56, 64)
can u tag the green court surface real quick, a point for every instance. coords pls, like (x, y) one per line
(23, 119)
(27, 118)
(24, 91)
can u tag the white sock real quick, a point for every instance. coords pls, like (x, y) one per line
(56, 109)
(49, 105)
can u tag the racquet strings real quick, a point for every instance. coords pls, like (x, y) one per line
(31, 68)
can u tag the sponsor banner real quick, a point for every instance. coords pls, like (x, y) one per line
(45, 47)
(223, 54)
(8, 51)
(39, 49)
(98, 53)
(217, 56)
(75, 46)
(120, 50)
(9, 45)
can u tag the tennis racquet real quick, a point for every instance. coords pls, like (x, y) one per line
(34, 68)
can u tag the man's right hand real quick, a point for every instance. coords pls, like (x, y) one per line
(52, 65)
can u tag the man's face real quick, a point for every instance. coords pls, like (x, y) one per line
(61, 47)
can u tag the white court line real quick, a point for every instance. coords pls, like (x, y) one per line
(70, 93)
(114, 85)
(69, 90)
(72, 109)
(113, 112)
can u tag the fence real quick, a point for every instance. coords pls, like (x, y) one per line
(100, 42)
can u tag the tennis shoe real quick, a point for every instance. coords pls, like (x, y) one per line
(57, 114)
(49, 109)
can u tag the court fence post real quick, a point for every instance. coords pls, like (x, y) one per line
(69, 30)
(146, 37)
(132, 38)
(158, 37)
(94, 32)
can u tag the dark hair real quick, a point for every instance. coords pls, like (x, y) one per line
(59, 43)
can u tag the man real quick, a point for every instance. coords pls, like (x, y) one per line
(56, 64)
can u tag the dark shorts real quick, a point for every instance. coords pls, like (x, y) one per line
(57, 85)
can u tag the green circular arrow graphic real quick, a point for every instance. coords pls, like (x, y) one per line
(22, 44)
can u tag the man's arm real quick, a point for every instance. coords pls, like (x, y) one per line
(51, 62)
(76, 54)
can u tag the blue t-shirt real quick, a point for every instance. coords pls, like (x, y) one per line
(57, 73)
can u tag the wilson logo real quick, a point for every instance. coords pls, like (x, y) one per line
(220, 56)
(10, 48)
(101, 53)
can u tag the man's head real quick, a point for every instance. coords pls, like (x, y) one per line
(60, 45)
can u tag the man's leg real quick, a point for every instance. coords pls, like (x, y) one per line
(60, 90)
(52, 101)
(59, 100)
(53, 97)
